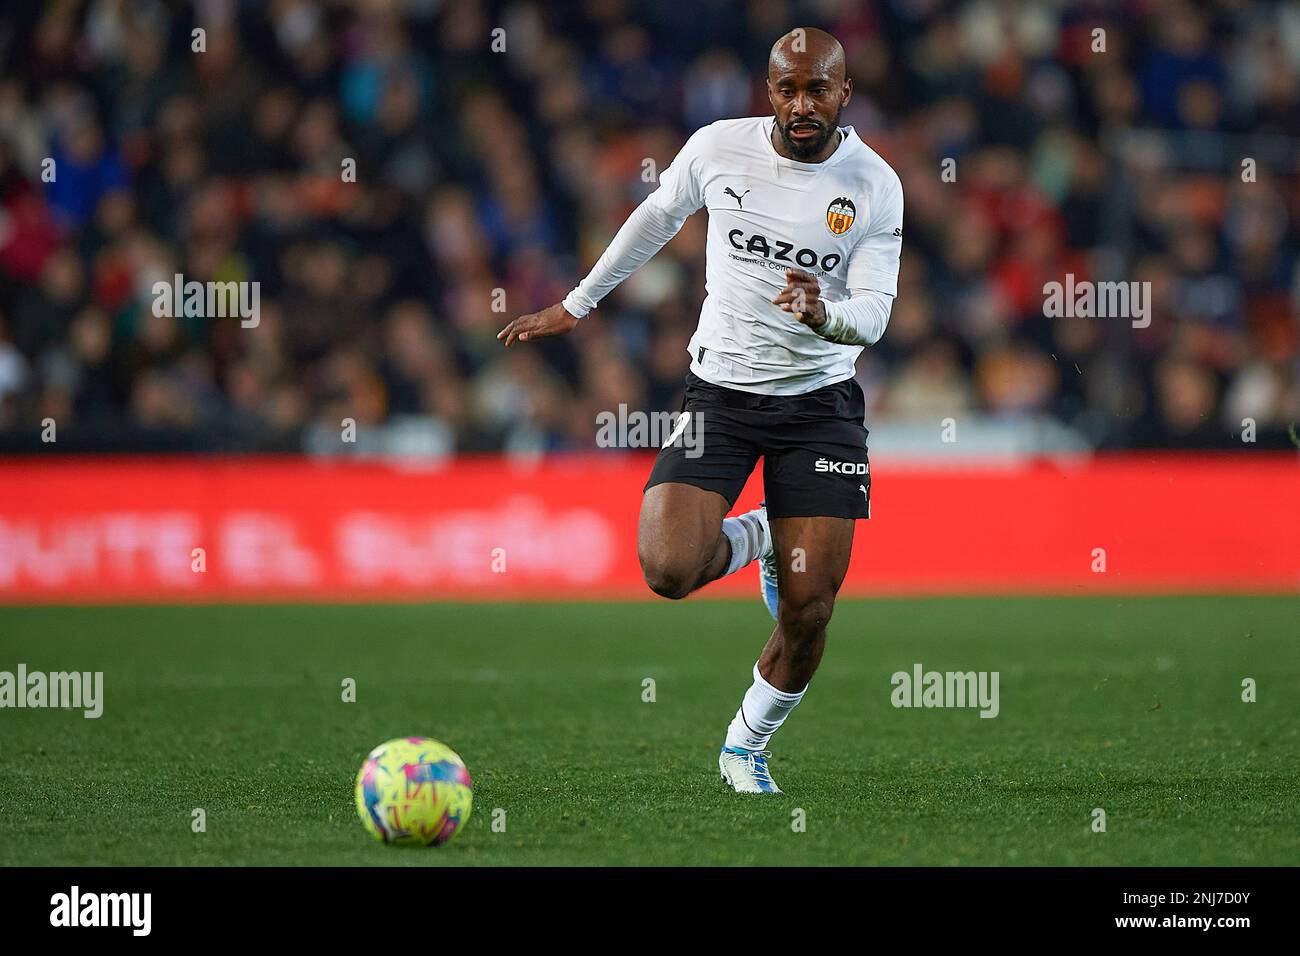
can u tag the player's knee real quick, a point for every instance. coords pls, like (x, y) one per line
(806, 616)
(666, 578)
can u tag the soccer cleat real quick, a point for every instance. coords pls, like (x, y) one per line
(767, 567)
(745, 771)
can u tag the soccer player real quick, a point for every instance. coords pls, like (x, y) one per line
(805, 229)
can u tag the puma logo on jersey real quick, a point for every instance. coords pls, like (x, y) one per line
(730, 192)
(826, 466)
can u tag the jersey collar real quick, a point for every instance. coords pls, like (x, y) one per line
(847, 138)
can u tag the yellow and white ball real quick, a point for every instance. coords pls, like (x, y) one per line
(414, 791)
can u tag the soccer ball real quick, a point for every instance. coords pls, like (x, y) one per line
(414, 791)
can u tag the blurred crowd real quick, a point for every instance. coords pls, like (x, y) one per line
(498, 146)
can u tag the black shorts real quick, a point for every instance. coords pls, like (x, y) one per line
(814, 448)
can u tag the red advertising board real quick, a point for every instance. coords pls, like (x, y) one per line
(93, 529)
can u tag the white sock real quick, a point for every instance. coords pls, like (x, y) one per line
(761, 713)
(749, 537)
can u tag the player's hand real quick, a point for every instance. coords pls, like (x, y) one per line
(554, 320)
(802, 296)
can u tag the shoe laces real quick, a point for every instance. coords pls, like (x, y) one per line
(758, 766)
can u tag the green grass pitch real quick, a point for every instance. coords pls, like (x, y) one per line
(1132, 705)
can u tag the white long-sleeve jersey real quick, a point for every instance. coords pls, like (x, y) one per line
(840, 220)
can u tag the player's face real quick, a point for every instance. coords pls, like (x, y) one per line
(808, 102)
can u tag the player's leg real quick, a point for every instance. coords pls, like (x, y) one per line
(818, 483)
(812, 556)
(684, 539)
(679, 538)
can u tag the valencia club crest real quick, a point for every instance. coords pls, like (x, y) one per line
(839, 215)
